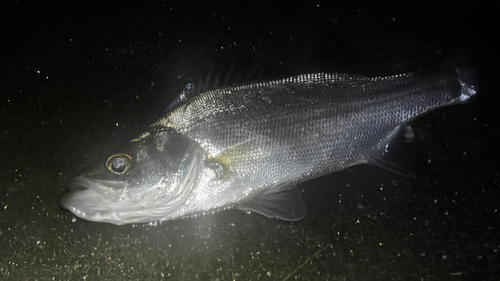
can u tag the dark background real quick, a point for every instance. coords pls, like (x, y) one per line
(78, 78)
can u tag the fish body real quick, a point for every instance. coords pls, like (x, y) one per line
(247, 146)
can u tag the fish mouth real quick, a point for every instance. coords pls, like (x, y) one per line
(111, 189)
(96, 200)
(68, 203)
(89, 205)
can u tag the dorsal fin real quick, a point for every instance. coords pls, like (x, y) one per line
(227, 72)
(184, 95)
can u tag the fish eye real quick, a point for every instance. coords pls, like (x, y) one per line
(119, 163)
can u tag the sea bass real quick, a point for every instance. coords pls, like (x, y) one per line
(248, 146)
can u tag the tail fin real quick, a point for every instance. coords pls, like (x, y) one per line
(467, 78)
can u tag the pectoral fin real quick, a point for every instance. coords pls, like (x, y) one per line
(282, 202)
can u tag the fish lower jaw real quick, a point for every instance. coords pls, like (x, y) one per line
(91, 215)
(143, 215)
(105, 216)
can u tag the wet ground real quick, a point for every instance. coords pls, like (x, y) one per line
(78, 79)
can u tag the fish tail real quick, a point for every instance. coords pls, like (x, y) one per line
(467, 77)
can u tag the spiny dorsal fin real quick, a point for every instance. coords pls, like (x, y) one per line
(183, 96)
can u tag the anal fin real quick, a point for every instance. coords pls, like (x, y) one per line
(402, 153)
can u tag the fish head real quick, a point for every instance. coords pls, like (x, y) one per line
(148, 180)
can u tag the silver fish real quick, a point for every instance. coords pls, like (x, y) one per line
(248, 146)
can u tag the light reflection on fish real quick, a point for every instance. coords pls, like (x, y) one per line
(247, 146)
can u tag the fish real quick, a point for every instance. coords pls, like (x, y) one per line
(248, 146)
